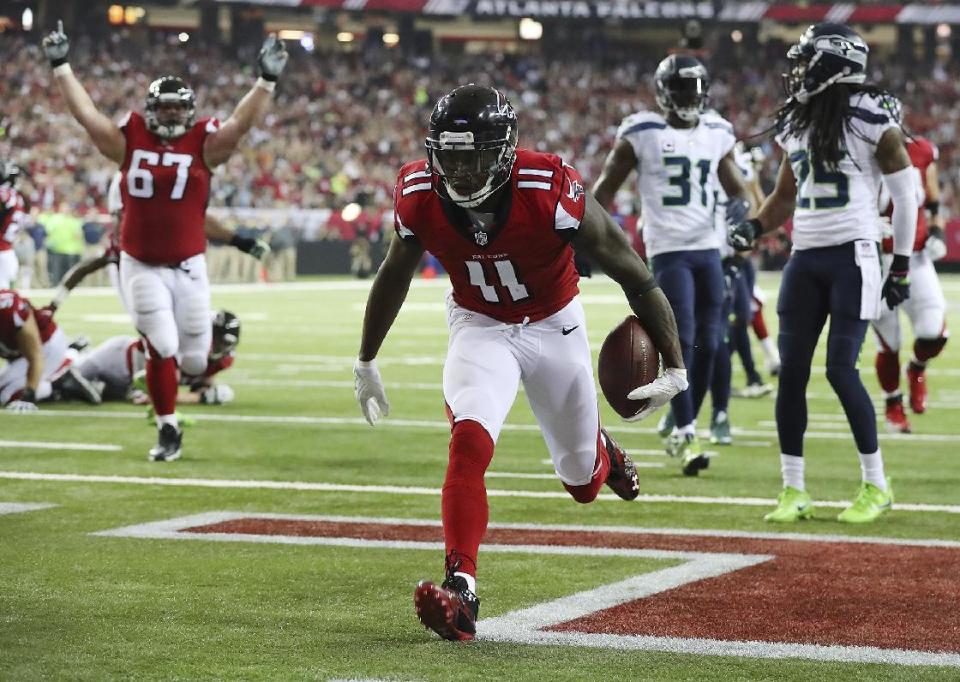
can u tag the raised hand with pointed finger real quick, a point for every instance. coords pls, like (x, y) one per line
(56, 45)
(272, 58)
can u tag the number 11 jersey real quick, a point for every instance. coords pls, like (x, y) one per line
(165, 187)
(510, 266)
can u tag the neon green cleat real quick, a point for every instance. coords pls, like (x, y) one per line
(720, 429)
(666, 423)
(686, 447)
(871, 502)
(792, 506)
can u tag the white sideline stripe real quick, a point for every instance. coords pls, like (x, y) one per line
(526, 625)
(20, 507)
(444, 425)
(419, 490)
(206, 518)
(51, 445)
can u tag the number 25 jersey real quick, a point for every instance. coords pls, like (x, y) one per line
(165, 187)
(521, 265)
(839, 205)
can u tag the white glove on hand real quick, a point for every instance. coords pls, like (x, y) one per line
(935, 247)
(272, 58)
(21, 406)
(368, 388)
(56, 46)
(218, 394)
(659, 391)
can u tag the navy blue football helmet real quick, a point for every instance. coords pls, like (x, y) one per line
(827, 53)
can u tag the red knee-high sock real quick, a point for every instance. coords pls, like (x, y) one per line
(758, 323)
(162, 384)
(888, 370)
(588, 491)
(464, 499)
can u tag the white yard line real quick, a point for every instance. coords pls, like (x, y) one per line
(52, 445)
(444, 425)
(419, 490)
(20, 507)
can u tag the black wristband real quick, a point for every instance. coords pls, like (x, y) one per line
(54, 63)
(245, 244)
(28, 395)
(757, 228)
(900, 265)
(268, 77)
(933, 207)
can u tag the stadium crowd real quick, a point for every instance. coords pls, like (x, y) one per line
(344, 123)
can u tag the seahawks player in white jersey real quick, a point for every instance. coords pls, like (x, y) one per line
(682, 157)
(839, 136)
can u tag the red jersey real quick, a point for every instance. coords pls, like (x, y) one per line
(14, 312)
(922, 153)
(519, 263)
(165, 188)
(13, 213)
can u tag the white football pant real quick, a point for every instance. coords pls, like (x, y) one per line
(13, 377)
(487, 360)
(171, 308)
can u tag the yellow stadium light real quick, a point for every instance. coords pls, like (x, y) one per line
(133, 14)
(345, 37)
(350, 212)
(26, 19)
(183, 37)
(736, 35)
(115, 14)
(391, 39)
(291, 34)
(944, 30)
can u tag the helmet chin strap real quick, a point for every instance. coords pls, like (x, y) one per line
(471, 200)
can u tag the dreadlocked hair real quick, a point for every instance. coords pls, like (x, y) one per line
(826, 116)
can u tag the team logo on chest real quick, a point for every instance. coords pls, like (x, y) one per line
(481, 238)
(668, 146)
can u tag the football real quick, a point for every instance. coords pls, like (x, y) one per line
(628, 359)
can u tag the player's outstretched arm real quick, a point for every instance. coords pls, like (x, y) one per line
(603, 240)
(901, 179)
(383, 304)
(30, 347)
(217, 231)
(775, 211)
(620, 161)
(106, 135)
(219, 145)
(75, 275)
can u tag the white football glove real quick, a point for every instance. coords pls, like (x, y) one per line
(21, 406)
(935, 246)
(272, 58)
(56, 46)
(659, 391)
(369, 391)
(218, 394)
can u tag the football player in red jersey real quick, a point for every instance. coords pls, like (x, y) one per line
(36, 351)
(13, 211)
(501, 221)
(926, 306)
(166, 158)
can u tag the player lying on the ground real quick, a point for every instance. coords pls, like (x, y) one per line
(501, 220)
(118, 363)
(36, 354)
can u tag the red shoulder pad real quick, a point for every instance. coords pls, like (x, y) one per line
(413, 181)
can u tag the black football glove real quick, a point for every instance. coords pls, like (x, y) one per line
(742, 235)
(272, 58)
(896, 288)
(255, 247)
(56, 46)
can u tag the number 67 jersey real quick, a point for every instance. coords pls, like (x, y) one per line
(165, 186)
(512, 265)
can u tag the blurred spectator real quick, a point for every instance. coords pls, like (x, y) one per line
(64, 241)
(361, 262)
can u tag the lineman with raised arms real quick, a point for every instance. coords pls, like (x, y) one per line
(682, 157)
(839, 136)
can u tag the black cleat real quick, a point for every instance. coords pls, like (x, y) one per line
(72, 385)
(622, 478)
(167, 448)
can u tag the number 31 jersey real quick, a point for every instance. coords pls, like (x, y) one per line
(677, 178)
(839, 205)
(165, 187)
(520, 263)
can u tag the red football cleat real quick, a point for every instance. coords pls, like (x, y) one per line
(450, 609)
(622, 478)
(897, 421)
(917, 377)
